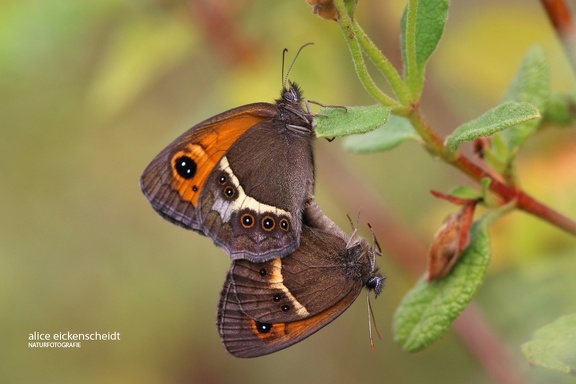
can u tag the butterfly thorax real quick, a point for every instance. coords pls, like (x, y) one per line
(359, 260)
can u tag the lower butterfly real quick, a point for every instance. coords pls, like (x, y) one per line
(266, 307)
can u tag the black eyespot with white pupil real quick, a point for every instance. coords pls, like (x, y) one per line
(222, 178)
(263, 327)
(229, 192)
(185, 167)
(268, 223)
(277, 297)
(247, 220)
(284, 224)
(285, 308)
(262, 272)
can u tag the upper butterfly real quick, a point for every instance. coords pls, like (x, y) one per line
(242, 177)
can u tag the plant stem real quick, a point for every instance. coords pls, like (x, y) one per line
(524, 201)
(411, 64)
(346, 24)
(383, 64)
(507, 192)
(357, 41)
(559, 14)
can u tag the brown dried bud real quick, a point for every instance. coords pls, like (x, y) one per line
(449, 242)
(480, 145)
(324, 8)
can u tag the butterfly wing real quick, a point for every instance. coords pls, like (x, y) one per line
(240, 178)
(265, 307)
(252, 206)
(244, 336)
(306, 282)
(174, 188)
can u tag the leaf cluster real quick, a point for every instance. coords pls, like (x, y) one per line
(428, 310)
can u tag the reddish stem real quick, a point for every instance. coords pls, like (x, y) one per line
(509, 193)
(454, 199)
(559, 15)
(524, 201)
(561, 19)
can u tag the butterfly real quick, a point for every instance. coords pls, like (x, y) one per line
(266, 307)
(243, 177)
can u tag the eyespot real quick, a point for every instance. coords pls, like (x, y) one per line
(229, 192)
(263, 327)
(277, 297)
(284, 224)
(247, 220)
(285, 308)
(222, 178)
(185, 167)
(263, 272)
(268, 223)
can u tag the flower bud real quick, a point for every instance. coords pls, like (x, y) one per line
(324, 8)
(449, 242)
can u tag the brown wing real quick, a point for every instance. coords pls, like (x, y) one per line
(265, 307)
(315, 276)
(174, 196)
(244, 336)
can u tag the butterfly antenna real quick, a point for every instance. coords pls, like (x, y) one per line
(354, 231)
(375, 240)
(285, 76)
(370, 317)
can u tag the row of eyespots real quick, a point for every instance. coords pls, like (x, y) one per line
(268, 223)
(229, 191)
(285, 307)
(247, 220)
(278, 296)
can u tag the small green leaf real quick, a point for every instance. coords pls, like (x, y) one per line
(387, 136)
(430, 20)
(501, 117)
(339, 121)
(428, 309)
(530, 85)
(466, 192)
(351, 6)
(554, 346)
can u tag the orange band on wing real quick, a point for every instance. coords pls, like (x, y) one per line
(205, 147)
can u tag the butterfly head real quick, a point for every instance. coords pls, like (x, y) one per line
(292, 94)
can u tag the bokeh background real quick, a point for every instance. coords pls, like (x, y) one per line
(91, 90)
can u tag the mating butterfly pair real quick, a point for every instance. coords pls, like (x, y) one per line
(245, 178)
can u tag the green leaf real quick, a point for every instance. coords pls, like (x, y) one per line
(465, 192)
(387, 136)
(427, 311)
(428, 28)
(560, 109)
(531, 85)
(554, 345)
(350, 6)
(503, 116)
(340, 121)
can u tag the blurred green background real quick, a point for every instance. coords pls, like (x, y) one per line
(92, 90)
